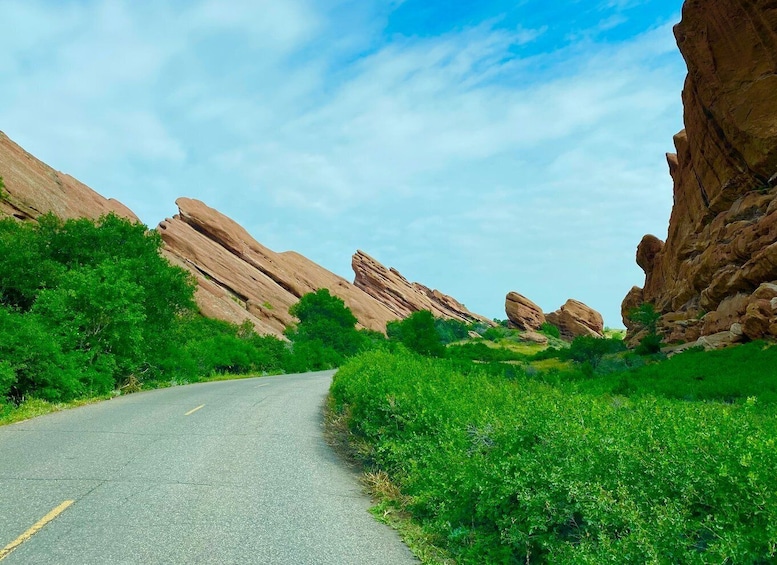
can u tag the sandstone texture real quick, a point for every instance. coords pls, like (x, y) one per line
(523, 313)
(715, 274)
(401, 297)
(33, 188)
(575, 319)
(240, 279)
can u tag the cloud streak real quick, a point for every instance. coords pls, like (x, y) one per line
(472, 160)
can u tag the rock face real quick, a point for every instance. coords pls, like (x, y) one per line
(402, 297)
(523, 313)
(33, 189)
(721, 246)
(240, 279)
(576, 319)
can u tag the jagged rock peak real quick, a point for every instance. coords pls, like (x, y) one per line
(720, 247)
(402, 297)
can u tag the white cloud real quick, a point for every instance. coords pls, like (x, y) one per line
(449, 157)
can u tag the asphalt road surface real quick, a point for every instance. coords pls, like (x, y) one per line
(222, 472)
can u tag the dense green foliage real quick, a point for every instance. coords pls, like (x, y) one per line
(84, 305)
(418, 332)
(479, 351)
(87, 307)
(326, 334)
(522, 471)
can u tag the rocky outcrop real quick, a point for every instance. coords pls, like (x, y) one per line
(522, 313)
(575, 319)
(32, 189)
(240, 279)
(402, 297)
(721, 246)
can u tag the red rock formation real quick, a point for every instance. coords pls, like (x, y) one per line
(402, 297)
(522, 312)
(33, 188)
(722, 240)
(238, 279)
(233, 268)
(576, 319)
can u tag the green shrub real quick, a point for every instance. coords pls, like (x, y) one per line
(450, 330)
(520, 472)
(591, 350)
(550, 330)
(325, 322)
(418, 333)
(479, 351)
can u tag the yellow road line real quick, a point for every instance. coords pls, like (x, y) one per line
(193, 410)
(34, 529)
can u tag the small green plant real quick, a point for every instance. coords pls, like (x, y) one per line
(266, 305)
(550, 330)
(646, 317)
(3, 193)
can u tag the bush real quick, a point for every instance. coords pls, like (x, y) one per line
(418, 333)
(450, 330)
(520, 472)
(550, 330)
(591, 350)
(325, 323)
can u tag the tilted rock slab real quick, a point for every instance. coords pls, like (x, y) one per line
(575, 319)
(33, 188)
(721, 245)
(401, 297)
(234, 269)
(523, 313)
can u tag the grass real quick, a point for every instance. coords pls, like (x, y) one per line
(34, 407)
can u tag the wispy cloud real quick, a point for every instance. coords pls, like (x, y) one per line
(468, 159)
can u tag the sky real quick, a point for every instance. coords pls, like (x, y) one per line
(477, 147)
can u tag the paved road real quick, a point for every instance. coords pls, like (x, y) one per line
(247, 478)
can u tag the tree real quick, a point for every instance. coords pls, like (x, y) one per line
(418, 333)
(325, 323)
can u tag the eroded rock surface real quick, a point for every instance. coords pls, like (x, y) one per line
(575, 319)
(233, 268)
(523, 313)
(721, 246)
(33, 188)
(401, 297)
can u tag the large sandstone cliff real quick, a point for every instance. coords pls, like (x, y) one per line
(713, 274)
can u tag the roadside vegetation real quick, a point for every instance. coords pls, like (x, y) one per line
(582, 454)
(91, 309)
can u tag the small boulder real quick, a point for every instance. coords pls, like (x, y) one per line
(534, 337)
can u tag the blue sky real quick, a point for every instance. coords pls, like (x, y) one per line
(478, 147)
